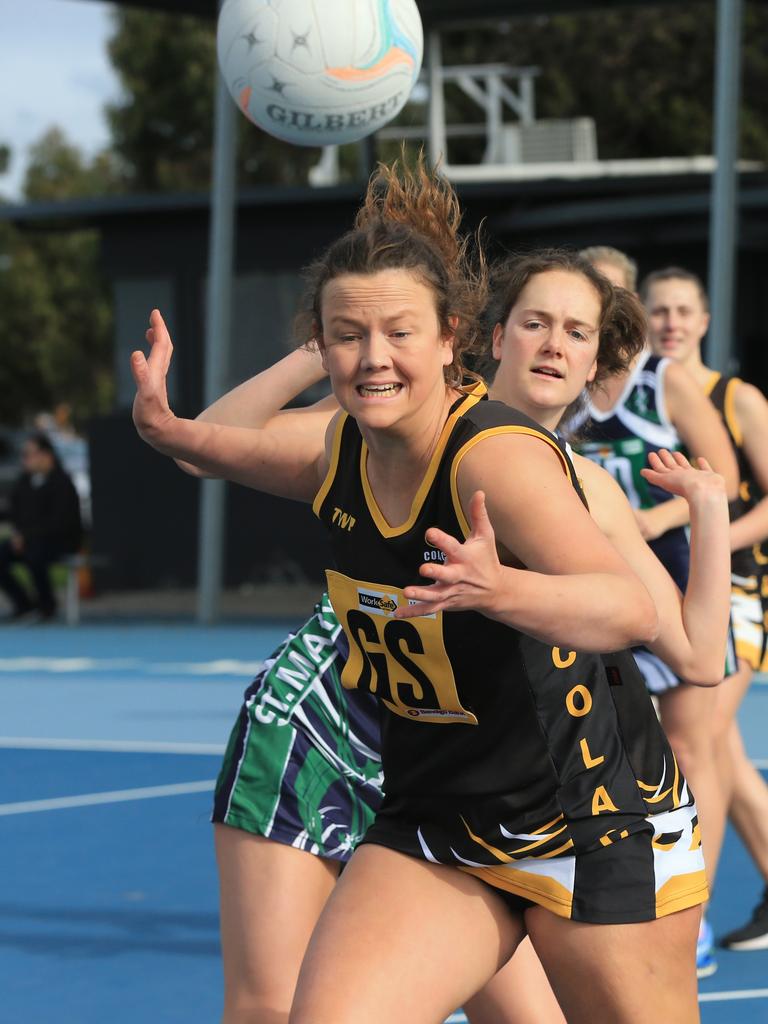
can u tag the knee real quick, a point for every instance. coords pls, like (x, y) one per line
(255, 1009)
(693, 750)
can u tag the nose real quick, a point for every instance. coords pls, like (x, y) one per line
(554, 341)
(375, 352)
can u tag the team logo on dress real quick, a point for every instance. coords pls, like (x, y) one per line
(432, 553)
(377, 602)
(446, 713)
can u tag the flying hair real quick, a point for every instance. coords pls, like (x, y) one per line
(410, 220)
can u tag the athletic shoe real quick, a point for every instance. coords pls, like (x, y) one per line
(706, 964)
(753, 935)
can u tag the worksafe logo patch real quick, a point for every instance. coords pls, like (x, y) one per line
(377, 602)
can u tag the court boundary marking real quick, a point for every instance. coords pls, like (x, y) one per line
(114, 796)
(110, 746)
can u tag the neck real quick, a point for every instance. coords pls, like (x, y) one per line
(697, 369)
(410, 443)
(546, 416)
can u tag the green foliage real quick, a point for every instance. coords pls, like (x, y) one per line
(162, 128)
(55, 311)
(644, 74)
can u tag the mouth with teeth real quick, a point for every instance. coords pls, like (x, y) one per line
(378, 390)
(547, 371)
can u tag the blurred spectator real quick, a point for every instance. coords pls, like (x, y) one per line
(45, 525)
(72, 450)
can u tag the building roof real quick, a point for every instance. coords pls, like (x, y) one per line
(433, 12)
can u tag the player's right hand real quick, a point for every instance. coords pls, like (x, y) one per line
(152, 415)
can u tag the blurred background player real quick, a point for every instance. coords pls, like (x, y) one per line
(678, 311)
(652, 405)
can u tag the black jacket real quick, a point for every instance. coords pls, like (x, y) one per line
(47, 512)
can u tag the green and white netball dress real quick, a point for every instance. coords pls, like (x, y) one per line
(620, 441)
(302, 765)
(541, 770)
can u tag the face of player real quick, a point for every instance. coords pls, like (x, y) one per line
(677, 319)
(384, 349)
(547, 349)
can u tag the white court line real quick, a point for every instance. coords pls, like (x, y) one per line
(745, 993)
(116, 796)
(704, 997)
(128, 746)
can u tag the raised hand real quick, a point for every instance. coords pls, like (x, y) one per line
(674, 473)
(151, 412)
(470, 577)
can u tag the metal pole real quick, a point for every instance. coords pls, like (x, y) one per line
(217, 332)
(436, 142)
(724, 206)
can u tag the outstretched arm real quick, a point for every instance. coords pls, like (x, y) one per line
(279, 458)
(258, 401)
(694, 626)
(575, 588)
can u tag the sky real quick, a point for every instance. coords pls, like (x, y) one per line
(54, 70)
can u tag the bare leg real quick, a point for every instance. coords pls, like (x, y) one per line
(402, 940)
(519, 994)
(620, 973)
(728, 696)
(271, 896)
(687, 715)
(749, 803)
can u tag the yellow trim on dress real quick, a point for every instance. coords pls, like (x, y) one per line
(729, 409)
(472, 397)
(333, 466)
(492, 431)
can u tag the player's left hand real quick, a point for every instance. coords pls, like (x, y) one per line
(470, 577)
(674, 473)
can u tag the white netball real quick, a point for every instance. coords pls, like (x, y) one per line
(320, 72)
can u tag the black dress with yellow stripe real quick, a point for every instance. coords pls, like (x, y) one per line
(525, 764)
(749, 566)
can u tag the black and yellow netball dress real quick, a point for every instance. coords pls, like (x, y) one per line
(749, 566)
(539, 769)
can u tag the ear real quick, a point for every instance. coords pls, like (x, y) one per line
(498, 334)
(448, 338)
(592, 372)
(707, 319)
(320, 342)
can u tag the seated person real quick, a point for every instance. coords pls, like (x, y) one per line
(45, 525)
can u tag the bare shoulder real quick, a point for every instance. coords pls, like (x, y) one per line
(750, 405)
(529, 456)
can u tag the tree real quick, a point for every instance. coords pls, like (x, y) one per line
(644, 74)
(162, 128)
(55, 309)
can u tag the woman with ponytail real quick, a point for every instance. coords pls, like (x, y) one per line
(520, 761)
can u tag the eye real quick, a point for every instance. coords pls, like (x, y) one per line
(533, 325)
(578, 335)
(400, 335)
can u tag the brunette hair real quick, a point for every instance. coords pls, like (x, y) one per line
(409, 220)
(622, 325)
(674, 274)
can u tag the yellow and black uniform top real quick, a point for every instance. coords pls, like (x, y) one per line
(721, 390)
(495, 746)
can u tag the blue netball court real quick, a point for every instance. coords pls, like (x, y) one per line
(110, 739)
